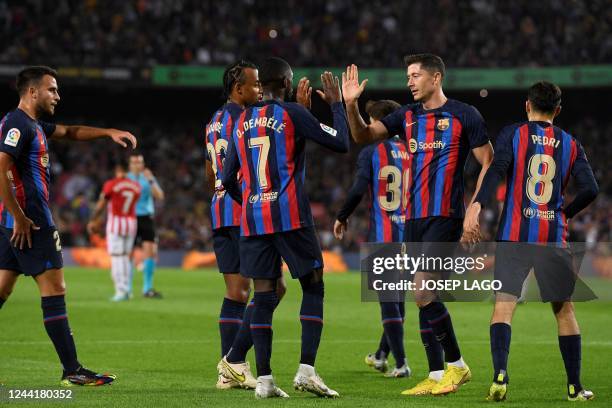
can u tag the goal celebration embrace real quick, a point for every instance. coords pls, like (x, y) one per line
(349, 203)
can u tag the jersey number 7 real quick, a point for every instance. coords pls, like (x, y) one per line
(262, 143)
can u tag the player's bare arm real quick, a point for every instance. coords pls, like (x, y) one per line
(85, 133)
(93, 226)
(360, 130)
(471, 225)
(156, 189)
(22, 230)
(304, 93)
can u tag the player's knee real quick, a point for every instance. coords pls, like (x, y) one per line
(423, 297)
(55, 290)
(264, 285)
(563, 310)
(502, 313)
(313, 283)
(238, 293)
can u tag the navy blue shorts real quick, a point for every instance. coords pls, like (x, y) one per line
(553, 269)
(426, 232)
(433, 229)
(226, 243)
(260, 255)
(46, 252)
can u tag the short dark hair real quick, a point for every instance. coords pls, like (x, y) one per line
(380, 109)
(429, 62)
(235, 74)
(544, 96)
(273, 71)
(135, 153)
(32, 75)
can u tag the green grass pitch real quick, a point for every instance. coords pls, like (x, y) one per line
(165, 351)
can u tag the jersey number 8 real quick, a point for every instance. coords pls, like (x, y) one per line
(542, 168)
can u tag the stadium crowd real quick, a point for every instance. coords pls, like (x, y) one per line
(183, 221)
(373, 33)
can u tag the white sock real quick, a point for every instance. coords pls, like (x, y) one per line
(436, 375)
(306, 370)
(459, 363)
(265, 377)
(125, 273)
(115, 272)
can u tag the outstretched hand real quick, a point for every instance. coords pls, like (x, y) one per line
(331, 88)
(304, 93)
(121, 137)
(351, 88)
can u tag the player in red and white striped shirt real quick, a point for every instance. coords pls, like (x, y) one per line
(119, 195)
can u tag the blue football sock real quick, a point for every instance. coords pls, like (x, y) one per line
(394, 329)
(501, 334)
(230, 320)
(243, 340)
(440, 322)
(56, 325)
(147, 273)
(571, 351)
(433, 349)
(261, 329)
(311, 317)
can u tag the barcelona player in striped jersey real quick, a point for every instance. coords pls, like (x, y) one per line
(439, 133)
(241, 88)
(29, 240)
(381, 171)
(268, 148)
(537, 159)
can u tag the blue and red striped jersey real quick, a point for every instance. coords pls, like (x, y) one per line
(382, 170)
(225, 211)
(439, 141)
(268, 148)
(25, 140)
(538, 159)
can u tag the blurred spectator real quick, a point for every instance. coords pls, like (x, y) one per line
(371, 33)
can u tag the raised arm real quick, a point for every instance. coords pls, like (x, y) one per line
(85, 133)
(335, 138)
(360, 130)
